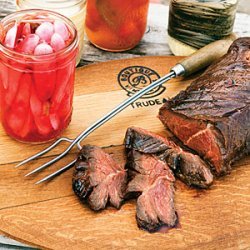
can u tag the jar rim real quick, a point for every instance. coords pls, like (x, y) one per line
(38, 4)
(10, 18)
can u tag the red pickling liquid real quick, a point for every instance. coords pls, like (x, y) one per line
(36, 95)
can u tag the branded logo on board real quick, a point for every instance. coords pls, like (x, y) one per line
(134, 78)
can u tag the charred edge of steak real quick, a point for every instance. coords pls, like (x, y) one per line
(153, 228)
(189, 168)
(153, 181)
(98, 179)
(81, 185)
(145, 141)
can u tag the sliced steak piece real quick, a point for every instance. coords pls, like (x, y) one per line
(154, 182)
(145, 141)
(98, 179)
(212, 116)
(190, 168)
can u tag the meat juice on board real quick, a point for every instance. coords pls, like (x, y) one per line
(116, 25)
(38, 55)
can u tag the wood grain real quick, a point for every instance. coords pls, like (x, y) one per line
(51, 217)
(154, 41)
(215, 219)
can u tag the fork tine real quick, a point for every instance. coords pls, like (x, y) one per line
(46, 150)
(49, 177)
(57, 158)
(46, 164)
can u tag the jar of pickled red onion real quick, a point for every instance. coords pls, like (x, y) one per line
(73, 9)
(38, 51)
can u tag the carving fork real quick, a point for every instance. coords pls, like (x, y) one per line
(197, 61)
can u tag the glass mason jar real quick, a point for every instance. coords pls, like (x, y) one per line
(196, 23)
(116, 25)
(73, 9)
(36, 91)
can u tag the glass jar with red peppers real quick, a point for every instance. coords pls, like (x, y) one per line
(116, 25)
(37, 64)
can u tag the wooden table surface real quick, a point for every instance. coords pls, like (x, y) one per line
(154, 43)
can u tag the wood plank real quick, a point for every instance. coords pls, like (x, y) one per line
(215, 219)
(154, 41)
(50, 216)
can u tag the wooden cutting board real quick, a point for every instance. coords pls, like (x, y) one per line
(50, 216)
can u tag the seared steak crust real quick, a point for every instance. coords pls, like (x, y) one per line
(153, 180)
(212, 116)
(98, 179)
(190, 168)
(145, 141)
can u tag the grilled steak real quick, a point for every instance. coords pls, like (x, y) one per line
(186, 166)
(212, 116)
(146, 141)
(153, 180)
(98, 179)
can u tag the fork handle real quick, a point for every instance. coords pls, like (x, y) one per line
(204, 56)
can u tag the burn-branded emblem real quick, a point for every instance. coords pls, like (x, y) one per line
(134, 78)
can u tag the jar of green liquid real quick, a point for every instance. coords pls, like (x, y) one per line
(196, 23)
